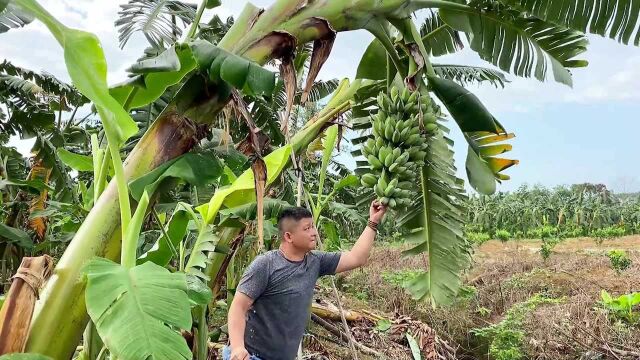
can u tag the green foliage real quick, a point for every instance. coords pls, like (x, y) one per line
(154, 19)
(23, 356)
(136, 309)
(564, 211)
(507, 336)
(620, 261)
(12, 16)
(614, 19)
(622, 307)
(609, 232)
(413, 345)
(503, 235)
(400, 277)
(517, 43)
(477, 238)
(546, 248)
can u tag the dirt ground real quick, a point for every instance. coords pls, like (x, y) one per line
(502, 276)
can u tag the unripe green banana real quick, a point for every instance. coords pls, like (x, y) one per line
(413, 97)
(375, 163)
(380, 100)
(378, 190)
(395, 137)
(389, 160)
(413, 139)
(405, 94)
(392, 203)
(402, 159)
(382, 183)
(384, 201)
(430, 118)
(392, 185)
(405, 185)
(384, 152)
(369, 180)
(431, 127)
(404, 135)
(393, 167)
(394, 94)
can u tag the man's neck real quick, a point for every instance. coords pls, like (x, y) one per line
(291, 253)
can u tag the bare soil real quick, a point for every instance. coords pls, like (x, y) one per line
(503, 275)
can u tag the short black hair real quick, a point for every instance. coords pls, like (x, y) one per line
(295, 213)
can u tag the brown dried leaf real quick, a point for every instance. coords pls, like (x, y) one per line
(321, 50)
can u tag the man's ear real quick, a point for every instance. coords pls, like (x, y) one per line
(286, 237)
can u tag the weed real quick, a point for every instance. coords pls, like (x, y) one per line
(507, 336)
(622, 307)
(619, 260)
(398, 278)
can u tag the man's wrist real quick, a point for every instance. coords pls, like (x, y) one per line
(373, 225)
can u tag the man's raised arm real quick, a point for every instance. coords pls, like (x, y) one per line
(359, 253)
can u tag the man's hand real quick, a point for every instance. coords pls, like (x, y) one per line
(376, 212)
(239, 354)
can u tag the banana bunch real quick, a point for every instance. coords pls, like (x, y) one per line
(398, 147)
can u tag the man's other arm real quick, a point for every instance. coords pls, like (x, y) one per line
(237, 320)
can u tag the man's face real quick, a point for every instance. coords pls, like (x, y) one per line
(303, 234)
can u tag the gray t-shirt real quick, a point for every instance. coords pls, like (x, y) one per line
(282, 291)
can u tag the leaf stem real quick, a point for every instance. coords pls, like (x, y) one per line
(154, 212)
(196, 20)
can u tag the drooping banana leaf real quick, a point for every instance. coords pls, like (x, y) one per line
(154, 19)
(195, 168)
(12, 17)
(437, 220)
(439, 38)
(481, 130)
(87, 67)
(524, 46)
(614, 19)
(466, 75)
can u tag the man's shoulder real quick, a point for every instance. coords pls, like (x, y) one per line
(264, 259)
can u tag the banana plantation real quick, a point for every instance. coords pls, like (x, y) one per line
(577, 210)
(126, 231)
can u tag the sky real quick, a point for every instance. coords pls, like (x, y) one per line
(588, 133)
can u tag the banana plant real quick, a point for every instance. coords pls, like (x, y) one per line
(209, 74)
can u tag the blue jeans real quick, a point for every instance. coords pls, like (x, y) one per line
(226, 354)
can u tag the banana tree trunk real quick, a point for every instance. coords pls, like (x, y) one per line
(61, 311)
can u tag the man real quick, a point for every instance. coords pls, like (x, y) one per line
(271, 306)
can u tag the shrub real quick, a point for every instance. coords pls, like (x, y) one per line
(478, 238)
(619, 260)
(503, 235)
(572, 231)
(609, 232)
(542, 232)
(547, 247)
